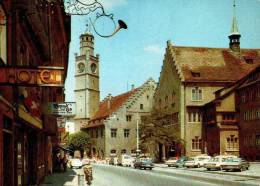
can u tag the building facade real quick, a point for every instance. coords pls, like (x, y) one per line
(220, 129)
(189, 78)
(87, 81)
(35, 37)
(248, 114)
(113, 129)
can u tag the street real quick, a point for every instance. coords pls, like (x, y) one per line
(106, 175)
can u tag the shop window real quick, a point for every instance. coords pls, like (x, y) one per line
(196, 94)
(3, 36)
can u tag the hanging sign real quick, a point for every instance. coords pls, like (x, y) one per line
(41, 76)
(62, 109)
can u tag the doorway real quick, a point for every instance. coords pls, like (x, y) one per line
(7, 159)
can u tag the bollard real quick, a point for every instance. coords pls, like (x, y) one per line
(81, 179)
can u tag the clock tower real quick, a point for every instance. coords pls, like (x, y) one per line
(87, 81)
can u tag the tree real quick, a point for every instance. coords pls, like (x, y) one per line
(156, 129)
(78, 141)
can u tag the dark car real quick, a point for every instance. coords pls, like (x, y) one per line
(235, 164)
(180, 162)
(143, 163)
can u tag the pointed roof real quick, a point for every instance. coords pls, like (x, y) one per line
(115, 102)
(234, 27)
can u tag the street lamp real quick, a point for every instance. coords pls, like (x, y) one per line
(138, 151)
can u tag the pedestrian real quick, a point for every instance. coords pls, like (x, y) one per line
(64, 163)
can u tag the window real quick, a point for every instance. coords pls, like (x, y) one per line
(194, 116)
(147, 96)
(126, 133)
(3, 36)
(96, 133)
(141, 106)
(123, 151)
(101, 133)
(113, 133)
(196, 94)
(128, 117)
(196, 143)
(113, 151)
(232, 143)
(257, 140)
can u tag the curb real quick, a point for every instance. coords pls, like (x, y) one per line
(221, 173)
(211, 180)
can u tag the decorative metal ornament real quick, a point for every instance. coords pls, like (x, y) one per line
(85, 7)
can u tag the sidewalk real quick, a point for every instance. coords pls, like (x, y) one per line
(253, 172)
(69, 178)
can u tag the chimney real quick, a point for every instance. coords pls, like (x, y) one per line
(109, 98)
(132, 87)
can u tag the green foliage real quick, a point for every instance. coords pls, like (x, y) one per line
(78, 140)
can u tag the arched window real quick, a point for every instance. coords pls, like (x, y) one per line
(3, 36)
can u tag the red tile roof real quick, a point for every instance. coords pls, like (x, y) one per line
(200, 64)
(104, 110)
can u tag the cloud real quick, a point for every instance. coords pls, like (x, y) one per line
(110, 4)
(154, 49)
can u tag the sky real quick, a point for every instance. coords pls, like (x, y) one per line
(136, 54)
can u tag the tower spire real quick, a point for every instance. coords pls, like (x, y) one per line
(234, 37)
(234, 27)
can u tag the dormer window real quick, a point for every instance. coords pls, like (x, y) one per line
(195, 74)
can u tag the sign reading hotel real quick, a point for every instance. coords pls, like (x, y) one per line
(40, 76)
(62, 109)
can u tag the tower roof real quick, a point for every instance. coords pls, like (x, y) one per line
(234, 27)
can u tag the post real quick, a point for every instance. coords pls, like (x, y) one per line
(81, 179)
(137, 137)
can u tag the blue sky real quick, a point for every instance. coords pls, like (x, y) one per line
(135, 54)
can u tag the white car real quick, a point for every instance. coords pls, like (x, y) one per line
(197, 161)
(126, 160)
(75, 163)
(217, 162)
(171, 161)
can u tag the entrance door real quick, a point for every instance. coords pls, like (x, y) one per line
(7, 159)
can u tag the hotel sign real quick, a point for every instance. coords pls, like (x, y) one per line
(40, 76)
(62, 109)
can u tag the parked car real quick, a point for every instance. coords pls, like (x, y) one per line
(143, 163)
(217, 161)
(171, 161)
(197, 161)
(75, 163)
(180, 162)
(125, 160)
(235, 164)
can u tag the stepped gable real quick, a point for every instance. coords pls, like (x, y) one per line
(115, 102)
(200, 64)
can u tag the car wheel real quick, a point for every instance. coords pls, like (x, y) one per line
(150, 168)
(208, 169)
(247, 168)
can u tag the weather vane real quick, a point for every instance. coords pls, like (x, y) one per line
(85, 7)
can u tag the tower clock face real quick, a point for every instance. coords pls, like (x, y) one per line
(81, 67)
(93, 68)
